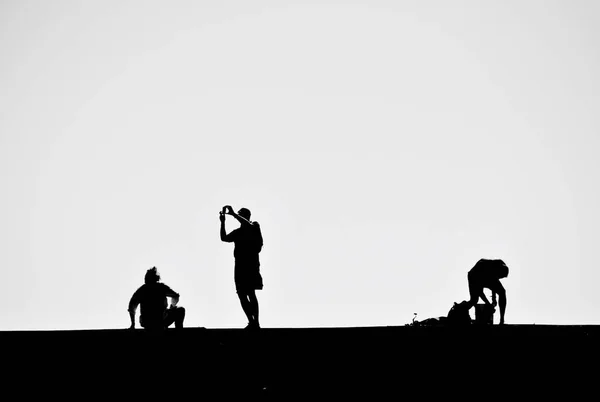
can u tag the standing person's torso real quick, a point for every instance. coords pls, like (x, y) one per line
(248, 241)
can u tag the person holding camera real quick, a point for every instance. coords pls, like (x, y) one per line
(248, 243)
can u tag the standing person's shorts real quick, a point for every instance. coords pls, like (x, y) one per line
(247, 276)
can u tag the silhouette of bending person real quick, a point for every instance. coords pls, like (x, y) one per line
(248, 243)
(487, 274)
(152, 296)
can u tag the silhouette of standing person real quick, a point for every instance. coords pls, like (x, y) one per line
(152, 296)
(487, 274)
(248, 243)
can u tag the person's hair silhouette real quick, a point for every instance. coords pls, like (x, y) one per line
(152, 296)
(487, 274)
(248, 244)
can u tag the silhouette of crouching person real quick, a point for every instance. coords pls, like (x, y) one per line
(487, 274)
(152, 296)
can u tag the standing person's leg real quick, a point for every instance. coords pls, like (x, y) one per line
(254, 307)
(241, 287)
(246, 306)
(475, 289)
(180, 317)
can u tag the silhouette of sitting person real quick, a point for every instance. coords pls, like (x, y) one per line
(248, 243)
(487, 274)
(152, 296)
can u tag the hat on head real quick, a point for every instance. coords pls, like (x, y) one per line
(244, 213)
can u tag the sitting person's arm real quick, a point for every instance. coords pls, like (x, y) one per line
(172, 294)
(174, 301)
(133, 304)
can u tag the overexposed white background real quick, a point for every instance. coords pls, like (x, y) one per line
(384, 146)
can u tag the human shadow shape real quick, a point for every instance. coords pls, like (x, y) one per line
(486, 274)
(248, 243)
(155, 313)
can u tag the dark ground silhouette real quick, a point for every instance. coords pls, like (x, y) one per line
(429, 363)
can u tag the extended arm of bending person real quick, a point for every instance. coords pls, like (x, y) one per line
(483, 297)
(499, 289)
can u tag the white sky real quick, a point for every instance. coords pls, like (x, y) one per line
(384, 146)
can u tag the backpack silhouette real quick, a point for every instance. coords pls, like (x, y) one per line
(459, 314)
(257, 235)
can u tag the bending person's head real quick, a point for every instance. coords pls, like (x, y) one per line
(152, 275)
(501, 269)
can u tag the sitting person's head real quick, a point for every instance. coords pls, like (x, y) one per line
(152, 276)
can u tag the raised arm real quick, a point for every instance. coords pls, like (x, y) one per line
(243, 221)
(224, 236)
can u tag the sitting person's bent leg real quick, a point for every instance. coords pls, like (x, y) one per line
(175, 315)
(180, 316)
